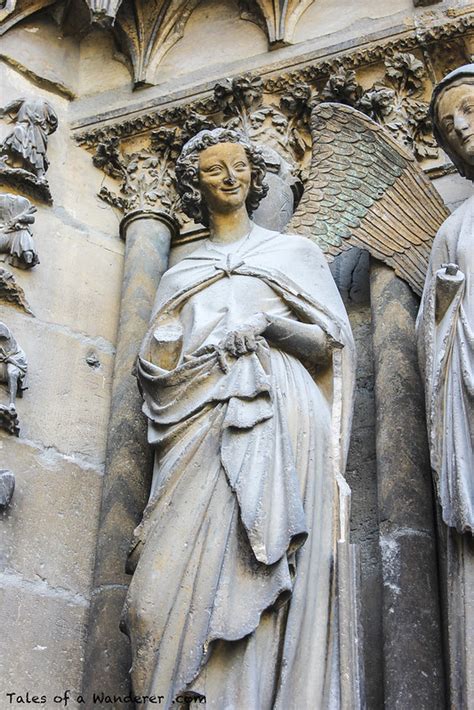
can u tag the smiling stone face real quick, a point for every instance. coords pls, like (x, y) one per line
(224, 177)
(455, 111)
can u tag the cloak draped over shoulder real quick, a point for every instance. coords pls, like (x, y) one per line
(446, 347)
(234, 590)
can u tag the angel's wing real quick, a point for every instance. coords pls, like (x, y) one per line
(365, 190)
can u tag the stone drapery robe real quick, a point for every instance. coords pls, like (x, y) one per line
(447, 358)
(15, 234)
(12, 354)
(234, 590)
(35, 120)
(446, 349)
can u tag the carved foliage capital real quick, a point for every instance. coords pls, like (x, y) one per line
(390, 82)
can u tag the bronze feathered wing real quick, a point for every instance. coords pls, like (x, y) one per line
(365, 190)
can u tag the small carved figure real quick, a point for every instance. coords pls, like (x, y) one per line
(11, 292)
(13, 369)
(7, 487)
(16, 239)
(446, 318)
(28, 141)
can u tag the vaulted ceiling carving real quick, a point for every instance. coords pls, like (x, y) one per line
(145, 30)
(278, 18)
(103, 11)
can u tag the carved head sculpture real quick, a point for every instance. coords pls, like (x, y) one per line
(248, 180)
(5, 333)
(7, 342)
(452, 113)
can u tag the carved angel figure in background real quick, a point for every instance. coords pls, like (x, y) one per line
(16, 239)
(446, 318)
(247, 374)
(28, 141)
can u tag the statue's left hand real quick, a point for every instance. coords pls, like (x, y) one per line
(450, 269)
(243, 340)
(449, 279)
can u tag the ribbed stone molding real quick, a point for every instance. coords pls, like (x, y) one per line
(413, 652)
(147, 236)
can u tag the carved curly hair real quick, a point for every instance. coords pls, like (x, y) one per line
(187, 171)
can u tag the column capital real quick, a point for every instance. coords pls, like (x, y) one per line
(143, 213)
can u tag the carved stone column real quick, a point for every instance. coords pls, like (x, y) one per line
(413, 665)
(129, 460)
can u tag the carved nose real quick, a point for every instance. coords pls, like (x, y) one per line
(461, 124)
(230, 179)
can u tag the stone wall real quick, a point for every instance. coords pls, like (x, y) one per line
(49, 534)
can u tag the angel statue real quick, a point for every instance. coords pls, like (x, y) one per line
(446, 348)
(247, 376)
(240, 592)
(16, 239)
(28, 141)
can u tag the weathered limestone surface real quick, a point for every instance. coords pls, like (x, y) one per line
(46, 534)
(79, 266)
(99, 66)
(60, 377)
(320, 18)
(453, 189)
(147, 246)
(350, 271)
(209, 43)
(37, 49)
(45, 628)
(413, 657)
(457, 575)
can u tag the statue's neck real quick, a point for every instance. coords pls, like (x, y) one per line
(230, 227)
